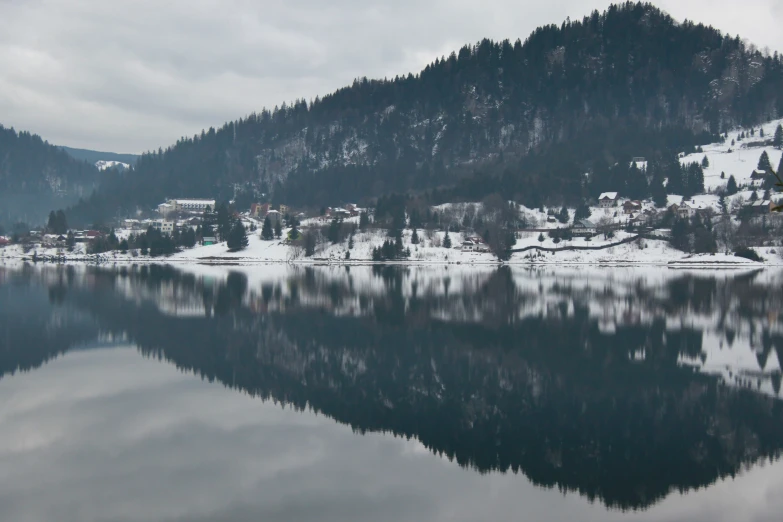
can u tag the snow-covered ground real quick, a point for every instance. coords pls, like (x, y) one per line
(428, 251)
(107, 164)
(740, 162)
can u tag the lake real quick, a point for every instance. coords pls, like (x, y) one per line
(327, 393)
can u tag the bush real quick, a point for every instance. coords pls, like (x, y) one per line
(748, 253)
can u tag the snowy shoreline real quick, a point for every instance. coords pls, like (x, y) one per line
(624, 249)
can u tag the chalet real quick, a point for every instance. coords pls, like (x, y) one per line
(758, 174)
(474, 244)
(284, 209)
(583, 228)
(341, 213)
(632, 207)
(208, 240)
(607, 200)
(758, 208)
(4, 241)
(689, 209)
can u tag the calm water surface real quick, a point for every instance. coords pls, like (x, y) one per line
(325, 393)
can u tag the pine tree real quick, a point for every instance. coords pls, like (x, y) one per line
(278, 229)
(237, 238)
(658, 192)
(754, 196)
(541, 237)
(722, 175)
(731, 186)
(582, 212)
(266, 230)
(563, 215)
(764, 163)
(415, 237)
(777, 140)
(364, 220)
(447, 240)
(294, 233)
(705, 162)
(350, 242)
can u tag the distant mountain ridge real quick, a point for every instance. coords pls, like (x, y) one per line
(94, 156)
(527, 120)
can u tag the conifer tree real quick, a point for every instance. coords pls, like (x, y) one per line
(705, 162)
(764, 163)
(266, 230)
(447, 240)
(294, 233)
(278, 229)
(237, 239)
(415, 237)
(731, 186)
(777, 140)
(364, 220)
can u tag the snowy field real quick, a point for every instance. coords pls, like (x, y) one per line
(740, 162)
(429, 251)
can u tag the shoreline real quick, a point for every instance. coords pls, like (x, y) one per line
(702, 261)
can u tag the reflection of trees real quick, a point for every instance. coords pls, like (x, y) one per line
(550, 395)
(33, 328)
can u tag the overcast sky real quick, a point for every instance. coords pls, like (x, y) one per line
(128, 76)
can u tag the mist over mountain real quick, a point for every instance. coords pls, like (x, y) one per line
(524, 119)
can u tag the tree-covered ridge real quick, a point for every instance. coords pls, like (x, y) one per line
(537, 114)
(29, 164)
(36, 176)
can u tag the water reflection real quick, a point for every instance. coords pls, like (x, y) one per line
(623, 386)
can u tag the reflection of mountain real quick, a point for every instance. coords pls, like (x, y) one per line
(553, 395)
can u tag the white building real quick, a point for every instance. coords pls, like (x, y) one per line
(186, 205)
(607, 200)
(163, 226)
(583, 228)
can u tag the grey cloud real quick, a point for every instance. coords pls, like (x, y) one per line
(135, 75)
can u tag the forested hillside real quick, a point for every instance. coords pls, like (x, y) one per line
(526, 119)
(36, 177)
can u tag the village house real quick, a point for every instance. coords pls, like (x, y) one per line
(607, 200)
(474, 244)
(758, 208)
(583, 228)
(758, 174)
(4, 241)
(632, 207)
